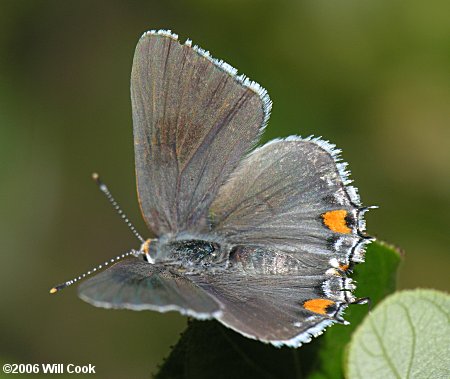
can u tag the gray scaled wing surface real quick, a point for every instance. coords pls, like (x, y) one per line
(297, 227)
(138, 285)
(194, 119)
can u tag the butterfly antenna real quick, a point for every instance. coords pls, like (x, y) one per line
(102, 186)
(61, 286)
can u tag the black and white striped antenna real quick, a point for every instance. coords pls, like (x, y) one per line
(144, 247)
(102, 187)
(61, 286)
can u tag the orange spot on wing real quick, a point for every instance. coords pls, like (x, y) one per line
(344, 267)
(335, 221)
(318, 305)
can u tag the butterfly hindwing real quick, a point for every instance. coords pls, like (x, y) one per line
(298, 227)
(193, 120)
(280, 308)
(292, 195)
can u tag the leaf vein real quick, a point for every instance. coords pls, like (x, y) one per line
(414, 336)
(382, 347)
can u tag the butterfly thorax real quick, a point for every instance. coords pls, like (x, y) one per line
(190, 252)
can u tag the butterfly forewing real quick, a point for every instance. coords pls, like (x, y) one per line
(137, 285)
(193, 121)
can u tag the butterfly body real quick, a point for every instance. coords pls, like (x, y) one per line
(190, 252)
(262, 240)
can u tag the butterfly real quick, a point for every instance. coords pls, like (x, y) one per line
(262, 240)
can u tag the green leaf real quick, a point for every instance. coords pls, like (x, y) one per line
(209, 350)
(407, 336)
(376, 278)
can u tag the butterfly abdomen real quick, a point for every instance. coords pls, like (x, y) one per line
(253, 260)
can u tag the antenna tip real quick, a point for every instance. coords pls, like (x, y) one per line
(60, 287)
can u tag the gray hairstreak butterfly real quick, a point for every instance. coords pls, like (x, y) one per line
(263, 240)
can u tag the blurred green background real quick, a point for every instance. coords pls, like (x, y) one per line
(371, 76)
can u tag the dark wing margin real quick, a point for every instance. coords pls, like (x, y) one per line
(194, 119)
(138, 285)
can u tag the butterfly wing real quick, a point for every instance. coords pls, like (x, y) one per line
(298, 228)
(271, 308)
(293, 195)
(193, 121)
(137, 285)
